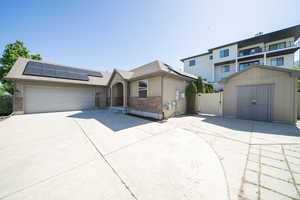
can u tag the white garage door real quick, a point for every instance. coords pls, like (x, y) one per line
(51, 99)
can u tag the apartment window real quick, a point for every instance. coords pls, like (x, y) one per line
(192, 62)
(143, 88)
(247, 64)
(276, 46)
(210, 57)
(224, 53)
(250, 51)
(225, 68)
(277, 61)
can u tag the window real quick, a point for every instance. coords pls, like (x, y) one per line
(225, 68)
(280, 45)
(224, 53)
(210, 57)
(277, 61)
(247, 64)
(143, 88)
(250, 51)
(192, 62)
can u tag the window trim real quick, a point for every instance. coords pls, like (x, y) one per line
(225, 66)
(139, 88)
(276, 59)
(222, 53)
(194, 61)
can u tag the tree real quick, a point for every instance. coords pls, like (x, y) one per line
(209, 88)
(297, 68)
(190, 93)
(200, 85)
(10, 55)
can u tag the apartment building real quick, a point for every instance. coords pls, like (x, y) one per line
(275, 49)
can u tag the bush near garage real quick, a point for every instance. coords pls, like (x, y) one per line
(5, 105)
(190, 93)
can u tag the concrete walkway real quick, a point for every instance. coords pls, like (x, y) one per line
(104, 155)
(261, 160)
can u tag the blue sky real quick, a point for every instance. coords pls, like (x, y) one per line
(125, 34)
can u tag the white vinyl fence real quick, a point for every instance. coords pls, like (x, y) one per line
(210, 103)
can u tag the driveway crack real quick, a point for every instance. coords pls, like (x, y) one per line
(107, 162)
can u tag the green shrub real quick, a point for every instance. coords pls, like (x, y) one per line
(190, 93)
(209, 88)
(298, 86)
(200, 85)
(5, 105)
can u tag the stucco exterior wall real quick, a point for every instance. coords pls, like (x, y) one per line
(232, 53)
(219, 75)
(154, 87)
(284, 100)
(288, 60)
(203, 67)
(171, 105)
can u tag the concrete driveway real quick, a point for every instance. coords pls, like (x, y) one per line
(261, 160)
(105, 155)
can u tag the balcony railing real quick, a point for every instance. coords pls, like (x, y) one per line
(258, 50)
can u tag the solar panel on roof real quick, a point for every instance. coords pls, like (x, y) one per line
(55, 71)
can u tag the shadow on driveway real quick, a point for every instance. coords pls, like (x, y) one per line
(254, 126)
(112, 120)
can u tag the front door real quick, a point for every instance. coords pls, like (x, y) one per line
(255, 102)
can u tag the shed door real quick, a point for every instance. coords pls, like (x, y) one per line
(51, 99)
(255, 102)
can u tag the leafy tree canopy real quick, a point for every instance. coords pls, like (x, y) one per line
(10, 55)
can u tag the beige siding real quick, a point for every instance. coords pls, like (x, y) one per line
(284, 100)
(116, 79)
(170, 85)
(154, 87)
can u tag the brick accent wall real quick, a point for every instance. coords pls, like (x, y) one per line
(149, 104)
(18, 103)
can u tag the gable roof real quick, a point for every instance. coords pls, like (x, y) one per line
(293, 73)
(17, 73)
(153, 68)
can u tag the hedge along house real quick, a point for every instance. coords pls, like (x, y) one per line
(152, 90)
(262, 92)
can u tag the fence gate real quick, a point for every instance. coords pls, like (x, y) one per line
(210, 103)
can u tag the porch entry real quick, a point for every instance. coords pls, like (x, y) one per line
(117, 95)
(255, 102)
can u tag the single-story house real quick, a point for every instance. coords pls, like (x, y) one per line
(262, 92)
(152, 90)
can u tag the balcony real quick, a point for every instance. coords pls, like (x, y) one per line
(268, 49)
